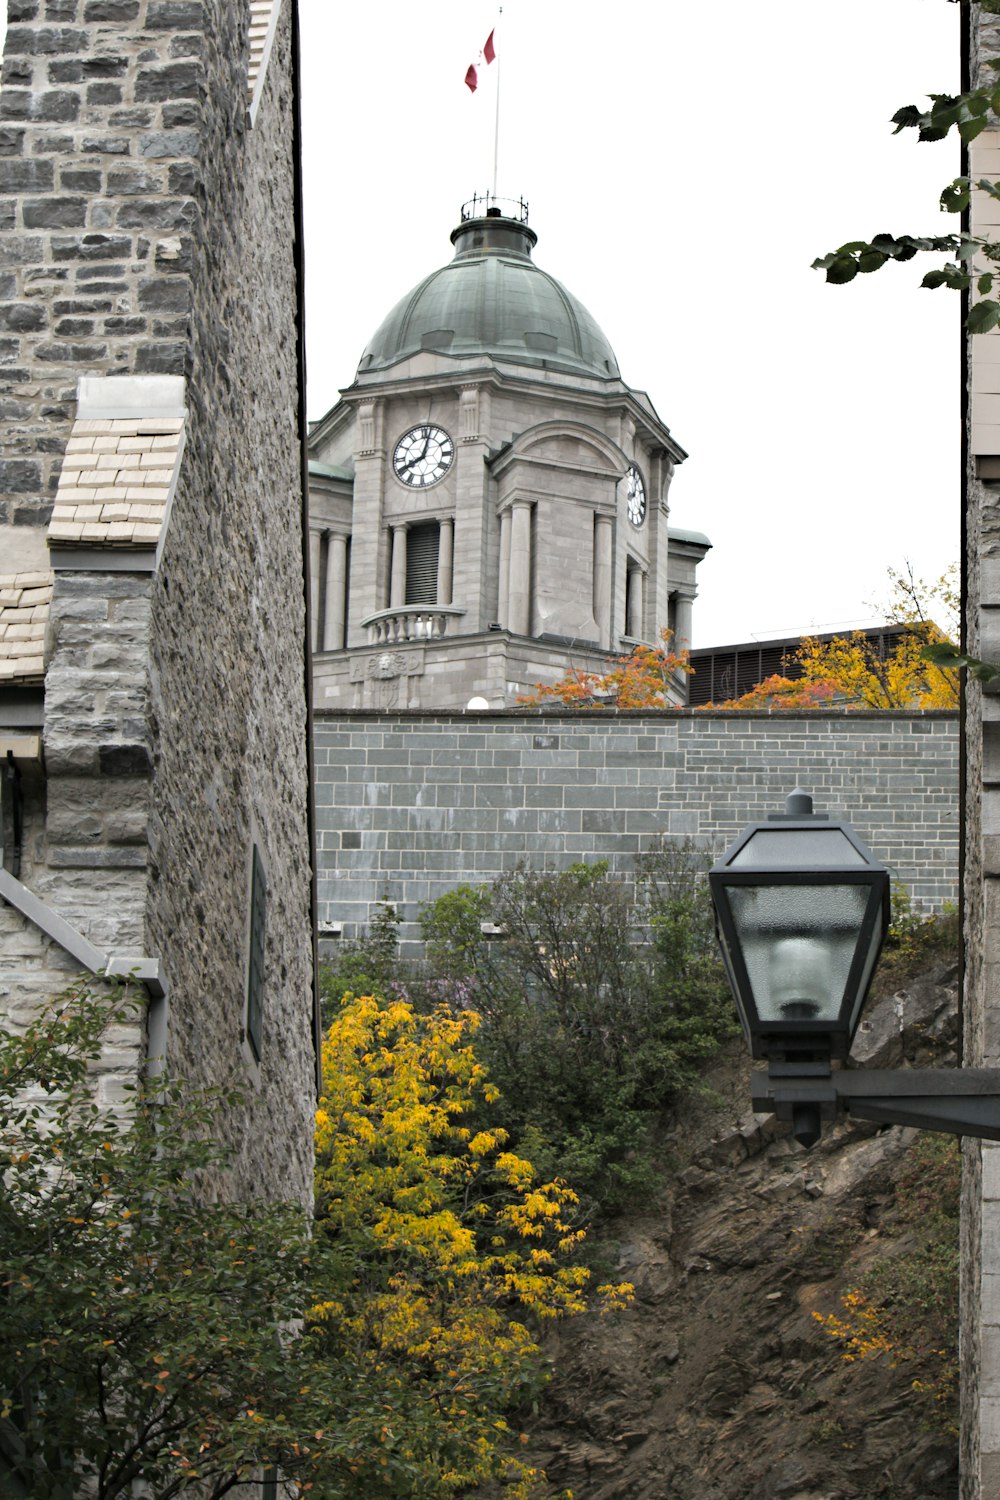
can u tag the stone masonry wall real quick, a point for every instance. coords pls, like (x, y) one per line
(147, 229)
(980, 1265)
(229, 631)
(409, 806)
(100, 126)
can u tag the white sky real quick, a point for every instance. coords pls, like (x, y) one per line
(684, 163)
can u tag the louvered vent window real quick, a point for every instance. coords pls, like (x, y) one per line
(422, 563)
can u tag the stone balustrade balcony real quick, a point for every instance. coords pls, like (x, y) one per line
(411, 622)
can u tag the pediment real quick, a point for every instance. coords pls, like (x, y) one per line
(571, 445)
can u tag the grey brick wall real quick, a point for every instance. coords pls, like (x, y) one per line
(409, 806)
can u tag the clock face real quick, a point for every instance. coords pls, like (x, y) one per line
(635, 496)
(422, 456)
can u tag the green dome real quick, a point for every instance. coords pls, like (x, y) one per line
(492, 299)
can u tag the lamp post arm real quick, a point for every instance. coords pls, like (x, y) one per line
(956, 1101)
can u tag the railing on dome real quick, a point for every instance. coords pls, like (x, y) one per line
(410, 622)
(487, 206)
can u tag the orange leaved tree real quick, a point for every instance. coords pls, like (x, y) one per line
(646, 678)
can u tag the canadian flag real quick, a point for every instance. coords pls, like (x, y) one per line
(486, 56)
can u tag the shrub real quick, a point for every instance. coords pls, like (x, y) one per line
(599, 1003)
(906, 1306)
(915, 941)
(149, 1336)
(368, 965)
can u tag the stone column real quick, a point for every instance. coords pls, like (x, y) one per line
(446, 542)
(397, 576)
(315, 545)
(336, 592)
(603, 534)
(519, 595)
(682, 620)
(503, 594)
(369, 544)
(633, 605)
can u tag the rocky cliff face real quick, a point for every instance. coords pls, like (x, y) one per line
(720, 1383)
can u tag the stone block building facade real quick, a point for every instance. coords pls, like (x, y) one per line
(489, 499)
(153, 597)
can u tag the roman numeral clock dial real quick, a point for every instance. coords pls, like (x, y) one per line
(635, 496)
(422, 456)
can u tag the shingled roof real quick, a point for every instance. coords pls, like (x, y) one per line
(261, 16)
(116, 481)
(24, 615)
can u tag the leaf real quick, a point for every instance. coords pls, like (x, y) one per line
(934, 279)
(871, 260)
(842, 268)
(955, 197)
(931, 133)
(983, 316)
(946, 654)
(947, 110)
(985, 283)
(853, 247)
(969, 129)
(886, 242)
(956, 278)
(908, 116)
(984, 186)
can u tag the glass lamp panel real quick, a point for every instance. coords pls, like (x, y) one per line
(871, 958)
(727, 961)
(795, 847)
(798, 944)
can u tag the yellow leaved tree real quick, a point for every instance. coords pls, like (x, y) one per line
(453, 1254)
(857, 670)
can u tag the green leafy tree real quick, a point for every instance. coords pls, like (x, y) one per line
(973, 261)
(599, 1002)
(367, 965)
(150, 1335)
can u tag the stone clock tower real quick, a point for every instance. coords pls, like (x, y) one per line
(488, 500)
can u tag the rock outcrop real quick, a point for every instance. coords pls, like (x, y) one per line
(719, 1383)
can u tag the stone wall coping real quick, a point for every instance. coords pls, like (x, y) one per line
(644, 715)
(130, 396)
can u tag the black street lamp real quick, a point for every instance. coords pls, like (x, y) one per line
(802, 909)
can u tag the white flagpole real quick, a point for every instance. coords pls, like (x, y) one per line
(496, 130)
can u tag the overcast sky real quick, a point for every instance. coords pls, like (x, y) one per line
(684, 164)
